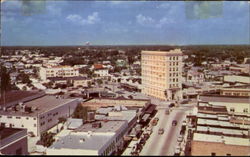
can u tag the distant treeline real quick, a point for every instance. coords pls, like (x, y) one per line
(202, 52)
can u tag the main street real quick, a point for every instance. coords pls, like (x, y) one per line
(165, 144)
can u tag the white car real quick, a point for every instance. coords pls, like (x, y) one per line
(178, 150)
(180, 138)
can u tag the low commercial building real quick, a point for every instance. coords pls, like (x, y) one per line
(234, 105)
(58, 71)
(102, 72)
(237, 79)
(37, 115)
(13, 141)
(195, 77)
(98, 138)
(77, 81)
(244, 68)
(216, 145)
(235, 91)
(102, 102)
(118, 113)
(217, 132)
(81, 81)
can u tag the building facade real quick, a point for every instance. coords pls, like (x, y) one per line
(38, 115)
(58, 71)
(13, 141)
(162, 74)
(101, 138)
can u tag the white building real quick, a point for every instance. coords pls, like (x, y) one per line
(37, 115)
(102, 72)
(237, 79)
(98, 138)
(195, 77)
(234, 105)
(58, 71)
(162, 74)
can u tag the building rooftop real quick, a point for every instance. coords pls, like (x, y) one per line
(222, 130)
(220, 98)
(39, 105)
(106, 126)
(7, 132)
(170, 52)
(98, 66)
(13, 97)
(74, 123)
(221, 139)
(82, 141)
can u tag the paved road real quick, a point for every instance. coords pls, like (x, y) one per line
(165, 144)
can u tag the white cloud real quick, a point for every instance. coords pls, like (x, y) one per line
(74, 18)
(149, 21)
(91, 19)
(164, 21)
(143, 20)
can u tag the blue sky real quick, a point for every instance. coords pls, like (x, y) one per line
(124, 23)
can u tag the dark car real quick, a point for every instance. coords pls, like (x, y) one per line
(174, 123)
(171, 105)
(142, 141)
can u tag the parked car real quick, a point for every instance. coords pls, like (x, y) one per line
(180, 138)
(142, 141)
(171, 105)
(177, 150)
(160, 131)
(167, 111)
(174, 123)
(149, 130)
(155, 121)
(146, 136)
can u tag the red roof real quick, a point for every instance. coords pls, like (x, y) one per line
(98, 66)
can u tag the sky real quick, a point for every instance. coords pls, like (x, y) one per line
(49, 23)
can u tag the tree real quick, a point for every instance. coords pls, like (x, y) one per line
(80, 112)
(99, 81)
(5, 80)
(47, 139)
(89, 84)
(62, 120)
(24, 78)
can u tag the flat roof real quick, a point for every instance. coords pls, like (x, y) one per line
(119, 98)
(16, 95)
(222, 130)
(106, 126)
(173, 52)
(214, 122)
(6, 132)
(217, 138)
(219, 98)
(42, 104)
(82, 141)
